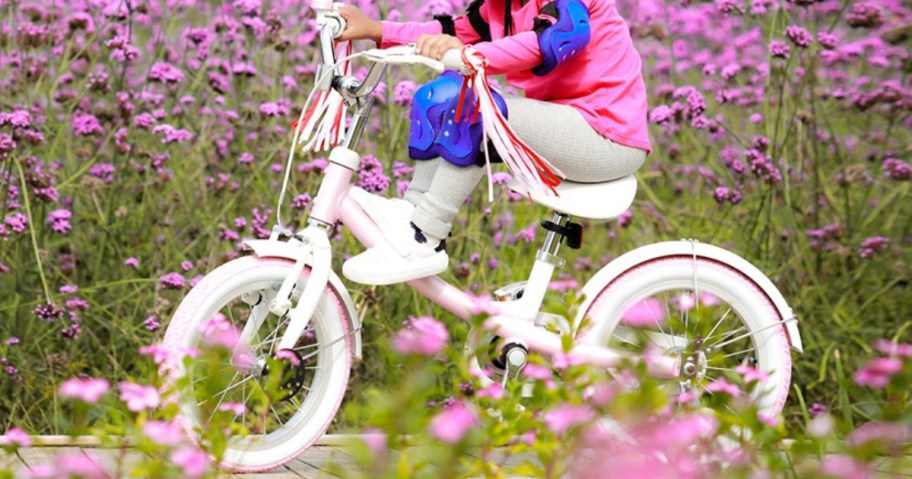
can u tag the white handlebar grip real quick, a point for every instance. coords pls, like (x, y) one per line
(452, 60)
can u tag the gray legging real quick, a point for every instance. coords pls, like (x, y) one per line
(557, 132)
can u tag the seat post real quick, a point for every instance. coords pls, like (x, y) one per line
(551, 246)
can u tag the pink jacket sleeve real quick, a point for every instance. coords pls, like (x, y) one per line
(514, 53)
(401, 33)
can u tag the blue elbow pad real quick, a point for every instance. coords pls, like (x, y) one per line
(563, 37)
(435, 130)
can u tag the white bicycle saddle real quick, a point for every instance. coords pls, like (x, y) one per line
(597, 201)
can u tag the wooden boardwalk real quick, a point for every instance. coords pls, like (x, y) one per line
(314, 463)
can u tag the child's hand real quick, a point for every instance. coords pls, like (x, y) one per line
(434, 46)
(359, 26)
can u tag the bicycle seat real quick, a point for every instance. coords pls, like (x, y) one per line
(597, 201)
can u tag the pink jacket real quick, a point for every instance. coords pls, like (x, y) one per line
(604, 82)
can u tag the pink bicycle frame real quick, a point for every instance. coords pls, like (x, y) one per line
(513, 320)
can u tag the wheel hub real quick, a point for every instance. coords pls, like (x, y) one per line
(294, 374)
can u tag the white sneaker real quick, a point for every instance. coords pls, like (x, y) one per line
(387, 264)
(388, 213)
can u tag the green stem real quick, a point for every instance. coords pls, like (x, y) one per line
(31, 224)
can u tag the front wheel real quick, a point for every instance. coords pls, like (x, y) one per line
(709, 315)
(238, 293)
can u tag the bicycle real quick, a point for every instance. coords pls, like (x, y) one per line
(287, 283)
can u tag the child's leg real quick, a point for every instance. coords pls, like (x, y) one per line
(421, 179)
(447, 192)
(561, 135)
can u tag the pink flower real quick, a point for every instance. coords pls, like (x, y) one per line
(219, 332)
(158, 353)
(451, 424)
(721, 385)
(131, 262)
(233, 407)
(422, 335)
(494, 391)
(565, 416)
(685, 302)
(376, 440)
(750, 374)
(191, 460)
(884, 432)
(16, 437)
(843, 467)
(894, 349)
(768, 419)
(86, 390)
(648, 312)
(162, 433)
(79, 465)
(878, 372)
(138, 397)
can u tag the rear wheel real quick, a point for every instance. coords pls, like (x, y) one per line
(711, 317)
(283, 427)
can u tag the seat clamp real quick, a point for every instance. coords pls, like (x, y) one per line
(549, 258)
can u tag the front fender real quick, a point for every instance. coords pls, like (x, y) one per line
(686, 248)
(290, 250)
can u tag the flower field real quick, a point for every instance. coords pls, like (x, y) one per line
(142, 140)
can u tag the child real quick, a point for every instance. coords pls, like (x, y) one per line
(584, 110)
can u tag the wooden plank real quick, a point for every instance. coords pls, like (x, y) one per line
(14, 463)
(329, 460)
(36, 456)
(118, 462)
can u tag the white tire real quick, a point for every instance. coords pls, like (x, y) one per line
(743, 311)
(305, 417)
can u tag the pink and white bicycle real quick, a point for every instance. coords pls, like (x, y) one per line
(694, 310)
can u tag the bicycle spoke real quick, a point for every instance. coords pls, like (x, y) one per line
(711, 331)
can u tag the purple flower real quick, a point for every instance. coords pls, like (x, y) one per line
(799, 36)
(85, 124)
(301, 201)
(421, 335)
(878, 372)
(625, 219)
(132, 262)
(138, 397)
(403, 91)
(864, 14)
(60, 220)
(88, 390)
(451, 424)
(16, 222)
(163, 72)
(817, 409)
(172, 135)
(151, 324)
(272, 108)
(826, 40)
(172, 281)
(48, 311)
(779, 49)
(873, 245)
(896, 169)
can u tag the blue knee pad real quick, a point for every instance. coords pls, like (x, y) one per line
(563, 38)
(435, 130)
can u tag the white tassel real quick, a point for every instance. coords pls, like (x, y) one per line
(530, 169)
(322, 126)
